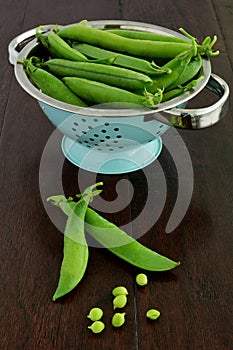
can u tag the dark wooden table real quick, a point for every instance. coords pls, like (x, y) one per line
(195, 299)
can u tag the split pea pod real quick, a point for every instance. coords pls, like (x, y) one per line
(58, 48)
(50, 85)
(121, 60)
(107, 40)
(96, 92)
(75, 250)
(143, 35)
(114, 76)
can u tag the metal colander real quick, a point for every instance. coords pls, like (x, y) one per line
(109, 139)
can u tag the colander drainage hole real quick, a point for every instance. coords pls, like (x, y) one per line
(107, 137)
(74, 129)
(84, 120)
(75, 123)
(116, 129)
(103, 131)
(96, 135)
(118, 136)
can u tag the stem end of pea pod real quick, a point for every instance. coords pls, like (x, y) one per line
(89, 192)
(57, 200)
(189, 36)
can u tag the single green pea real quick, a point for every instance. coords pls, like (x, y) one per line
(95, 314)
(119, 301)
(153, 314)
(119, 291)
(118, 319)
(97, 327)
(141, 279)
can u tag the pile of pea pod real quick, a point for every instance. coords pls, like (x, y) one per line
(85, 66)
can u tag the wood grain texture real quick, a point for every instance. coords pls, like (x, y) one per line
(195, 299)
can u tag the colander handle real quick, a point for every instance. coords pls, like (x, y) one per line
(20, 41)
(202, 117)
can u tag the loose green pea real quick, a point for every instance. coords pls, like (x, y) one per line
(119, 301)
(119, 291)
(95, 314)
(97, 327)
(118, 319)
(141, 279)
(153, 314)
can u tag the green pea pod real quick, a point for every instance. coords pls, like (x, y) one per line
(177, 66)
(49, 84)
(177, 91)
(130, 250)
(121, 60)
(75, 251)
(189, 72)
(143, 35)
(57, 47)
(120, 243)
(96, 92)
(143, 48)
(115, 76)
